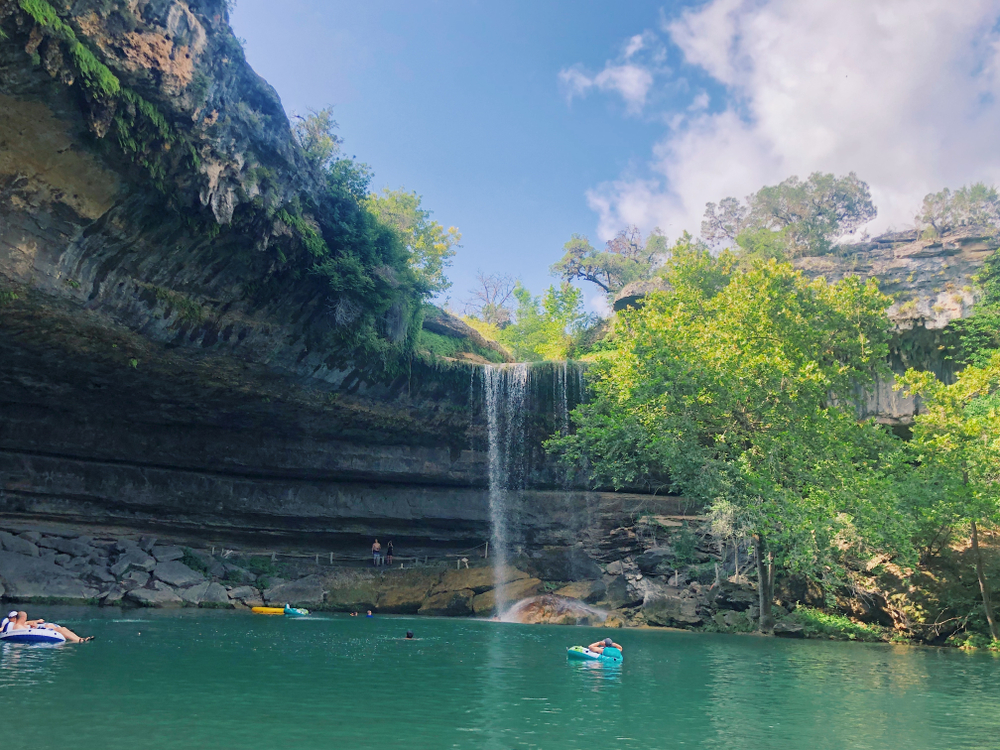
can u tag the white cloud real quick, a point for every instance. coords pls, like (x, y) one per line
(908, 98)
(631, 82)
(631, 76)
(633, 45)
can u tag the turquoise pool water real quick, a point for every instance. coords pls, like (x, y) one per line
(202, 679)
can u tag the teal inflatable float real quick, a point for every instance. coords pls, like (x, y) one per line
(609, 656)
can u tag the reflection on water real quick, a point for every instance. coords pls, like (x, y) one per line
(26, 664)
(187, 679)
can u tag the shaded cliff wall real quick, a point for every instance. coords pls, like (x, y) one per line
(167, 357)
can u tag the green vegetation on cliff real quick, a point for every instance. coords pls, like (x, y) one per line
(216, 147)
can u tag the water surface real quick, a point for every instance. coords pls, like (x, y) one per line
(196, 679)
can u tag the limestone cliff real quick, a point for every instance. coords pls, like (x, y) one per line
(170, 352)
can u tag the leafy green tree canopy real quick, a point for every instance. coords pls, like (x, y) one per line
(316, 134)
(956, 441)
(625, 258)
(429, 244)
(971, 205)
(737, 393)
(793, 218)
(545, 327)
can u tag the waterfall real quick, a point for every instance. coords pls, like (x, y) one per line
(524, 404)
(505, 392)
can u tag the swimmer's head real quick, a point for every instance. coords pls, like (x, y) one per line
(608, 641)
(409, 633)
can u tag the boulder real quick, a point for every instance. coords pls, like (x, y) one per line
(564, 564)
(667, 606)
(135, 579)
(303, 592)
(112, 596)
(554, 610)
(732, 620)
(656, 561)
(167, 554)
(351, 593)
(160, 595)
(733, 597)
(448, 604)
(585, 591)
(146, 543)
(485, 603)
(71, 547)
(247, 595)
(98, 574)
(786, 629)
(622, 592)
(20, 545)
(614, 568)
(614, 620)
(78, 566)
(177, 574)
(62, 559)
(403, 591)
(477, 579)
(207, 594)
(132, 557)
(32, 579)
(31, 536)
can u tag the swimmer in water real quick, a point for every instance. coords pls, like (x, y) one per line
(409, 635)
(599, 646)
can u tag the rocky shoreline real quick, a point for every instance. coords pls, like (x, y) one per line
(562, 586)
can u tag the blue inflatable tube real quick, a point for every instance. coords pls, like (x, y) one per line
(34, 635)
(610, 655)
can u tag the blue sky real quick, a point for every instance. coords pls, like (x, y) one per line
(523, 122)
(462, 102)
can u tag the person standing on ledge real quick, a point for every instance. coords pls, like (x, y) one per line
(376, 553)
(599, 646)
(388, 553)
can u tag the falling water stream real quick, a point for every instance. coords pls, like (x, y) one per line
(514, 397)
(505, 390)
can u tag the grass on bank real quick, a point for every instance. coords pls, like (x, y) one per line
(819, 624)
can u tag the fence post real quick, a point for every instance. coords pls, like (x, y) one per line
(487, 554)
(331, 558)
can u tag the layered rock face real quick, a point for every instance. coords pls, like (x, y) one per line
(165, 355)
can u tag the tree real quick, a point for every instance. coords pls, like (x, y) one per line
(491, 299)
(956, 438)
(429, 244)
(723, 394)
(545, 327)
(973, 205)
(626, 257)
(792, 218)
(315, 133)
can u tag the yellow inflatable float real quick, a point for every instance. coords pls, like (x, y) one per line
(286, 610)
